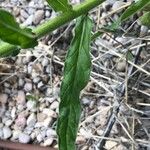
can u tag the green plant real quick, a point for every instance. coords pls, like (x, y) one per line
(77, 64)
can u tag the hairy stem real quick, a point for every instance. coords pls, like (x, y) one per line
(58, 21)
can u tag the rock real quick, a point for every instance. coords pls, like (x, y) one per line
(54, 105)
(20, 122)
(24, 14)
(85, 101)
(51, 133)
(41, 117)
(80, 139)
(6, 132)
(49, 112)
(31, 105)
(36, 79)
(45, 62)
(121, 65)
(39, 15)
(47, 13)
(110, 144)
(48, 142)
(16, 11)
(16, 134)
(3, 98)
(117, 5)
(28, 87)
(21, 99)
(13, 112)
(8, 122)
(40, 85)
(24, 138)
(47, 122)
(39, 138)
(28, 21)
(31, 120)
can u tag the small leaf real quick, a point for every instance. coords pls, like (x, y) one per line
(145, 19)
(11, 32)
(133, 9)
(59, 5)
(76, 75)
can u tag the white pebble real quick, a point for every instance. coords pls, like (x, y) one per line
(28, 87)
(31, 120)
(48, 142)
(3, 98)
(6, 132)
(31, 105)
(24, 138)
(21, 99)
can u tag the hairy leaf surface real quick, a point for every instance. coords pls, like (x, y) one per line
(133, 9)
(11, 32)
(60, 5)
(76, 75)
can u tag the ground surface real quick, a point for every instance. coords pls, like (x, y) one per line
(117, 91)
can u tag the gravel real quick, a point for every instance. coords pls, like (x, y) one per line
(32, 119)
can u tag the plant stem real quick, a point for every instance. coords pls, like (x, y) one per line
(60, 20)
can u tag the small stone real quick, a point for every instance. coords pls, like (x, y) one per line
(31, 120)
(47, 122)
(40, 85)
(24, 14)
(45, 62)
(51, 133)
(121, 65)
(28, 21)
(16, 134)
(6, 132)
(48, 142)
(49, 112)
(8, 122)
(24, 138)
(16, 11)
(36, 79)
(21, 99)
(85, 100)
(110, 144)
(20, 122)
(39, 138)
(54, 105)
(31, 105)
(41, 117)
(117, 5)
(47, 14)
(13, 112)
(3, 98)
(20, 108)
(28, 87)
(39, 15)
(80, 139)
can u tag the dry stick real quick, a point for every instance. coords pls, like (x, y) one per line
(112, 118)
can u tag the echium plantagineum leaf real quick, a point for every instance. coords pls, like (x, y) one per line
(11, 32)
(76, 75)
(60, 5)
(135, 7)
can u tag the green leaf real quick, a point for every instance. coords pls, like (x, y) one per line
(133, 9)
(145, 19)
(7, 50)
(11, 32)
(76, 75)
(60, 5)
